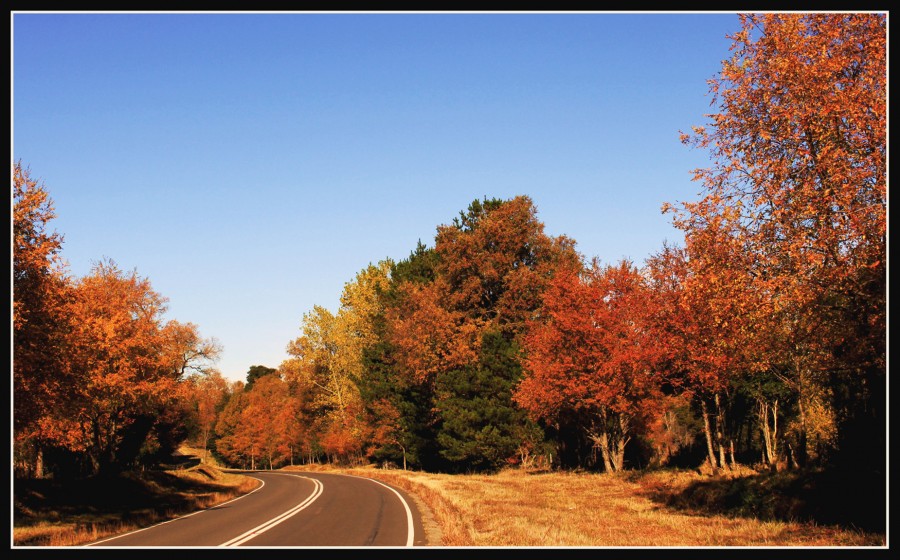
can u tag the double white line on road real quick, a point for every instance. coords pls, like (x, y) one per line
(262, 483)
(240, 539)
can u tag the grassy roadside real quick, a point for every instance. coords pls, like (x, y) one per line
(512, 508)
(49, 513)
(517, 508)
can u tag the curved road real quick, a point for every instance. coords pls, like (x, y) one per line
(294, 509)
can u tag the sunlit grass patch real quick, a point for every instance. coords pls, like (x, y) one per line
(571, 509)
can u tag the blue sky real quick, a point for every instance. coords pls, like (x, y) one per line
(250, 164)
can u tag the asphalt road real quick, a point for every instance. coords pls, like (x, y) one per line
(294, 510)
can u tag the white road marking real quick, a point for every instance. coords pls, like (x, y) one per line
(183, 516)
(319, 488)
(240, 539)
(409, 518)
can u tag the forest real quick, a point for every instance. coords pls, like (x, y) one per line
(758, 341)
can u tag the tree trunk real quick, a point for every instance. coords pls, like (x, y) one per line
(610, 436)
(764, 431)
(205, 443)
(720, 430)
(711, 455)
(39, 463)
(602, 441)
(621, 442)
(769, 432)
(801, 454)
(404, 454)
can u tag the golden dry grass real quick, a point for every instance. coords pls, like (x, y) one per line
(519, 509)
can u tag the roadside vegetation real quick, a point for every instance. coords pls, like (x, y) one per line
(634, 509)
(49, 512)
(512, 508)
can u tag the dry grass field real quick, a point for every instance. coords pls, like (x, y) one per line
(520, 509)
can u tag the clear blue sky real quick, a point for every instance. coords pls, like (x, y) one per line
(250, 164)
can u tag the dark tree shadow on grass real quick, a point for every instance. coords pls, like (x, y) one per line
(853, 500)
(126, 497)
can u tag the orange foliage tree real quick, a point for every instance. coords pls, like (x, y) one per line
(798, 143)
(264, 427)
(230, 445)
(492, 263)
(96, 371)
(429, 338)
(129, 363)
(497, 261)
(710, 315)
(207, 393)
(41, 321)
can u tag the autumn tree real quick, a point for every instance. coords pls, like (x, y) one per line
(709, 313)
(208, 393)
(97, 371)
(489, 268)
(265, 430)
(312, 370)
(293, 437)
(230, 444)
(128, 363)
(360, 309)
(798, 144)
(427, 337)
(118, 342)
(589, 360)
(41, 321)
(327, 361)
(497, 261)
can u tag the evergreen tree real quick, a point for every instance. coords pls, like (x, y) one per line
(481, 428)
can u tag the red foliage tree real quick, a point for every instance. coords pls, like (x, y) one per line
(589, 356)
